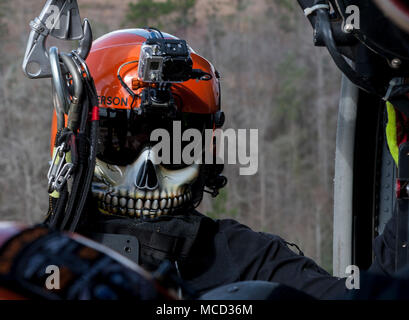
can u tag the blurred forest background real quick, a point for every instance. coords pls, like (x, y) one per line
(273, 79)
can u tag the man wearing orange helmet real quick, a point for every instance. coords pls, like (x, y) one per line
(138, 205)
(143, 206)
(152, 204)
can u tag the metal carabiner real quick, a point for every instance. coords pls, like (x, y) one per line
(86, 42)
(60, 170)
(60, 94)
(82, 63)
(62, 177)
(74, 112)
(55, 167)
(59, 19)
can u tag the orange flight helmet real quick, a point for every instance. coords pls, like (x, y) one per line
(120, 50)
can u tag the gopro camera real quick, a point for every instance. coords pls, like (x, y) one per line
(165, 60)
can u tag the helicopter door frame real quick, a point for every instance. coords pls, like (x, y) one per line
(364, 178)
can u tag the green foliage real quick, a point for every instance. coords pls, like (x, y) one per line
(284, 13)
(219, 207)
(143, 11)
(242, 5)
(287, 4)
(172, 13)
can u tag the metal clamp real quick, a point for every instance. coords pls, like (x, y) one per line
(309, 11)
(82, 63)
(63, 176)
(77, 88)
(59, 19)
(60, 94)
(392, 84)
(39, 27)
(60, 170)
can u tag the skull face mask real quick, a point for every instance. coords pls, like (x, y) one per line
(127, 179)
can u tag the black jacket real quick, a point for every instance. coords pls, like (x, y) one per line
(210, 253)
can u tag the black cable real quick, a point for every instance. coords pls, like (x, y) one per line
(72, 202)
(324, 24)
(304, 4)
(88, 177)
(157, 30)
(124, 85)
(63, 136)
(89, 172)
(72, 199)
(60, 208)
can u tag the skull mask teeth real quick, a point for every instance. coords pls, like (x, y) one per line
(142, 189)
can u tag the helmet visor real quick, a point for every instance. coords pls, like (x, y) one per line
(124, 134)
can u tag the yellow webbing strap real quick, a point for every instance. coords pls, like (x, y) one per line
(391, 132)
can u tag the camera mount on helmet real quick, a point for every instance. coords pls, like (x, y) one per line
(162, 62)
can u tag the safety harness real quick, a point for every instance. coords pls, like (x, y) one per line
(76, 108)
(74, 150)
